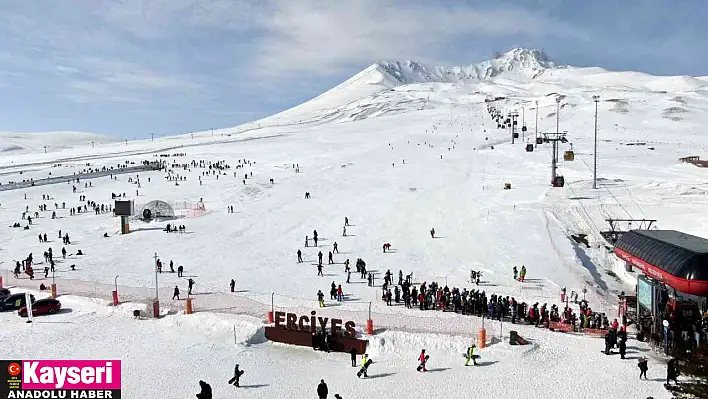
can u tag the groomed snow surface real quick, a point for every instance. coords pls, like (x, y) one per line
(456, 164)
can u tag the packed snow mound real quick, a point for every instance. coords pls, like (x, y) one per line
(20, 143)
(409, 344)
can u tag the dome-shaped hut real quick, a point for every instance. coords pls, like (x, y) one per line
(157, 209)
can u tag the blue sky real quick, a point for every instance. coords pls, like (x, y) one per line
(131, 68)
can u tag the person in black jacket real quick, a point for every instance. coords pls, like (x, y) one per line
(671, 372)
(322, 390)
(353, 354)
(237, 376)
(206, 390)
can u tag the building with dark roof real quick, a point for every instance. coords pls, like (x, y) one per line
(677, 259)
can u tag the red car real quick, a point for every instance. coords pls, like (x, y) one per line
(40, 307)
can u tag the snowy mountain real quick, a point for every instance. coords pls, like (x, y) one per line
(523, 64)
(390, 88)
(520, 64)
(19, 143)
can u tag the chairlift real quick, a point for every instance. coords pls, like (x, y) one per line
(559, 181)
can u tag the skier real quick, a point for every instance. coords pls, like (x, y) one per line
(346, 221)
(423, 358)
(330, 260)
(335, 247)
(206, 390)
(299, 256)
(320, 298)
(322, 390)
(339, 293)
(516, 272)
(180, 270)
(307, 241)
(432, 233)
(353, 356)
(643, 368)
(471, 356)
(344, 231)
(172, 267)
(522, 274)
(319, 268)
(319, 256)
(232, 284)
(176, 293)
(237, 376)
(190, 283)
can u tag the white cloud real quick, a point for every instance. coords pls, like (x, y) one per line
(134, 50)
(163, 18)
(115, 80)
(323, 36)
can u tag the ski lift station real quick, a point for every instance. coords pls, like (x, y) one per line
(677, 259)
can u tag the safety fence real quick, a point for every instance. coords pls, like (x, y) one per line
(259, 304)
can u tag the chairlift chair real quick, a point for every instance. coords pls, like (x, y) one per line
(569, 155)
(559, 181)
(539, 140)
(516, 135)
(529, 147)
(523, 128)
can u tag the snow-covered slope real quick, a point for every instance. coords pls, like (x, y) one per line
(19, 143)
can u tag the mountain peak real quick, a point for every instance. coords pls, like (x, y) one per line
(518, 63)
(527, 55)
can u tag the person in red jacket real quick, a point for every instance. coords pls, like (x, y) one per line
(423, 358)
(615, 324)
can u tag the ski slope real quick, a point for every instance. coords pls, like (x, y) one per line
(350, 145)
